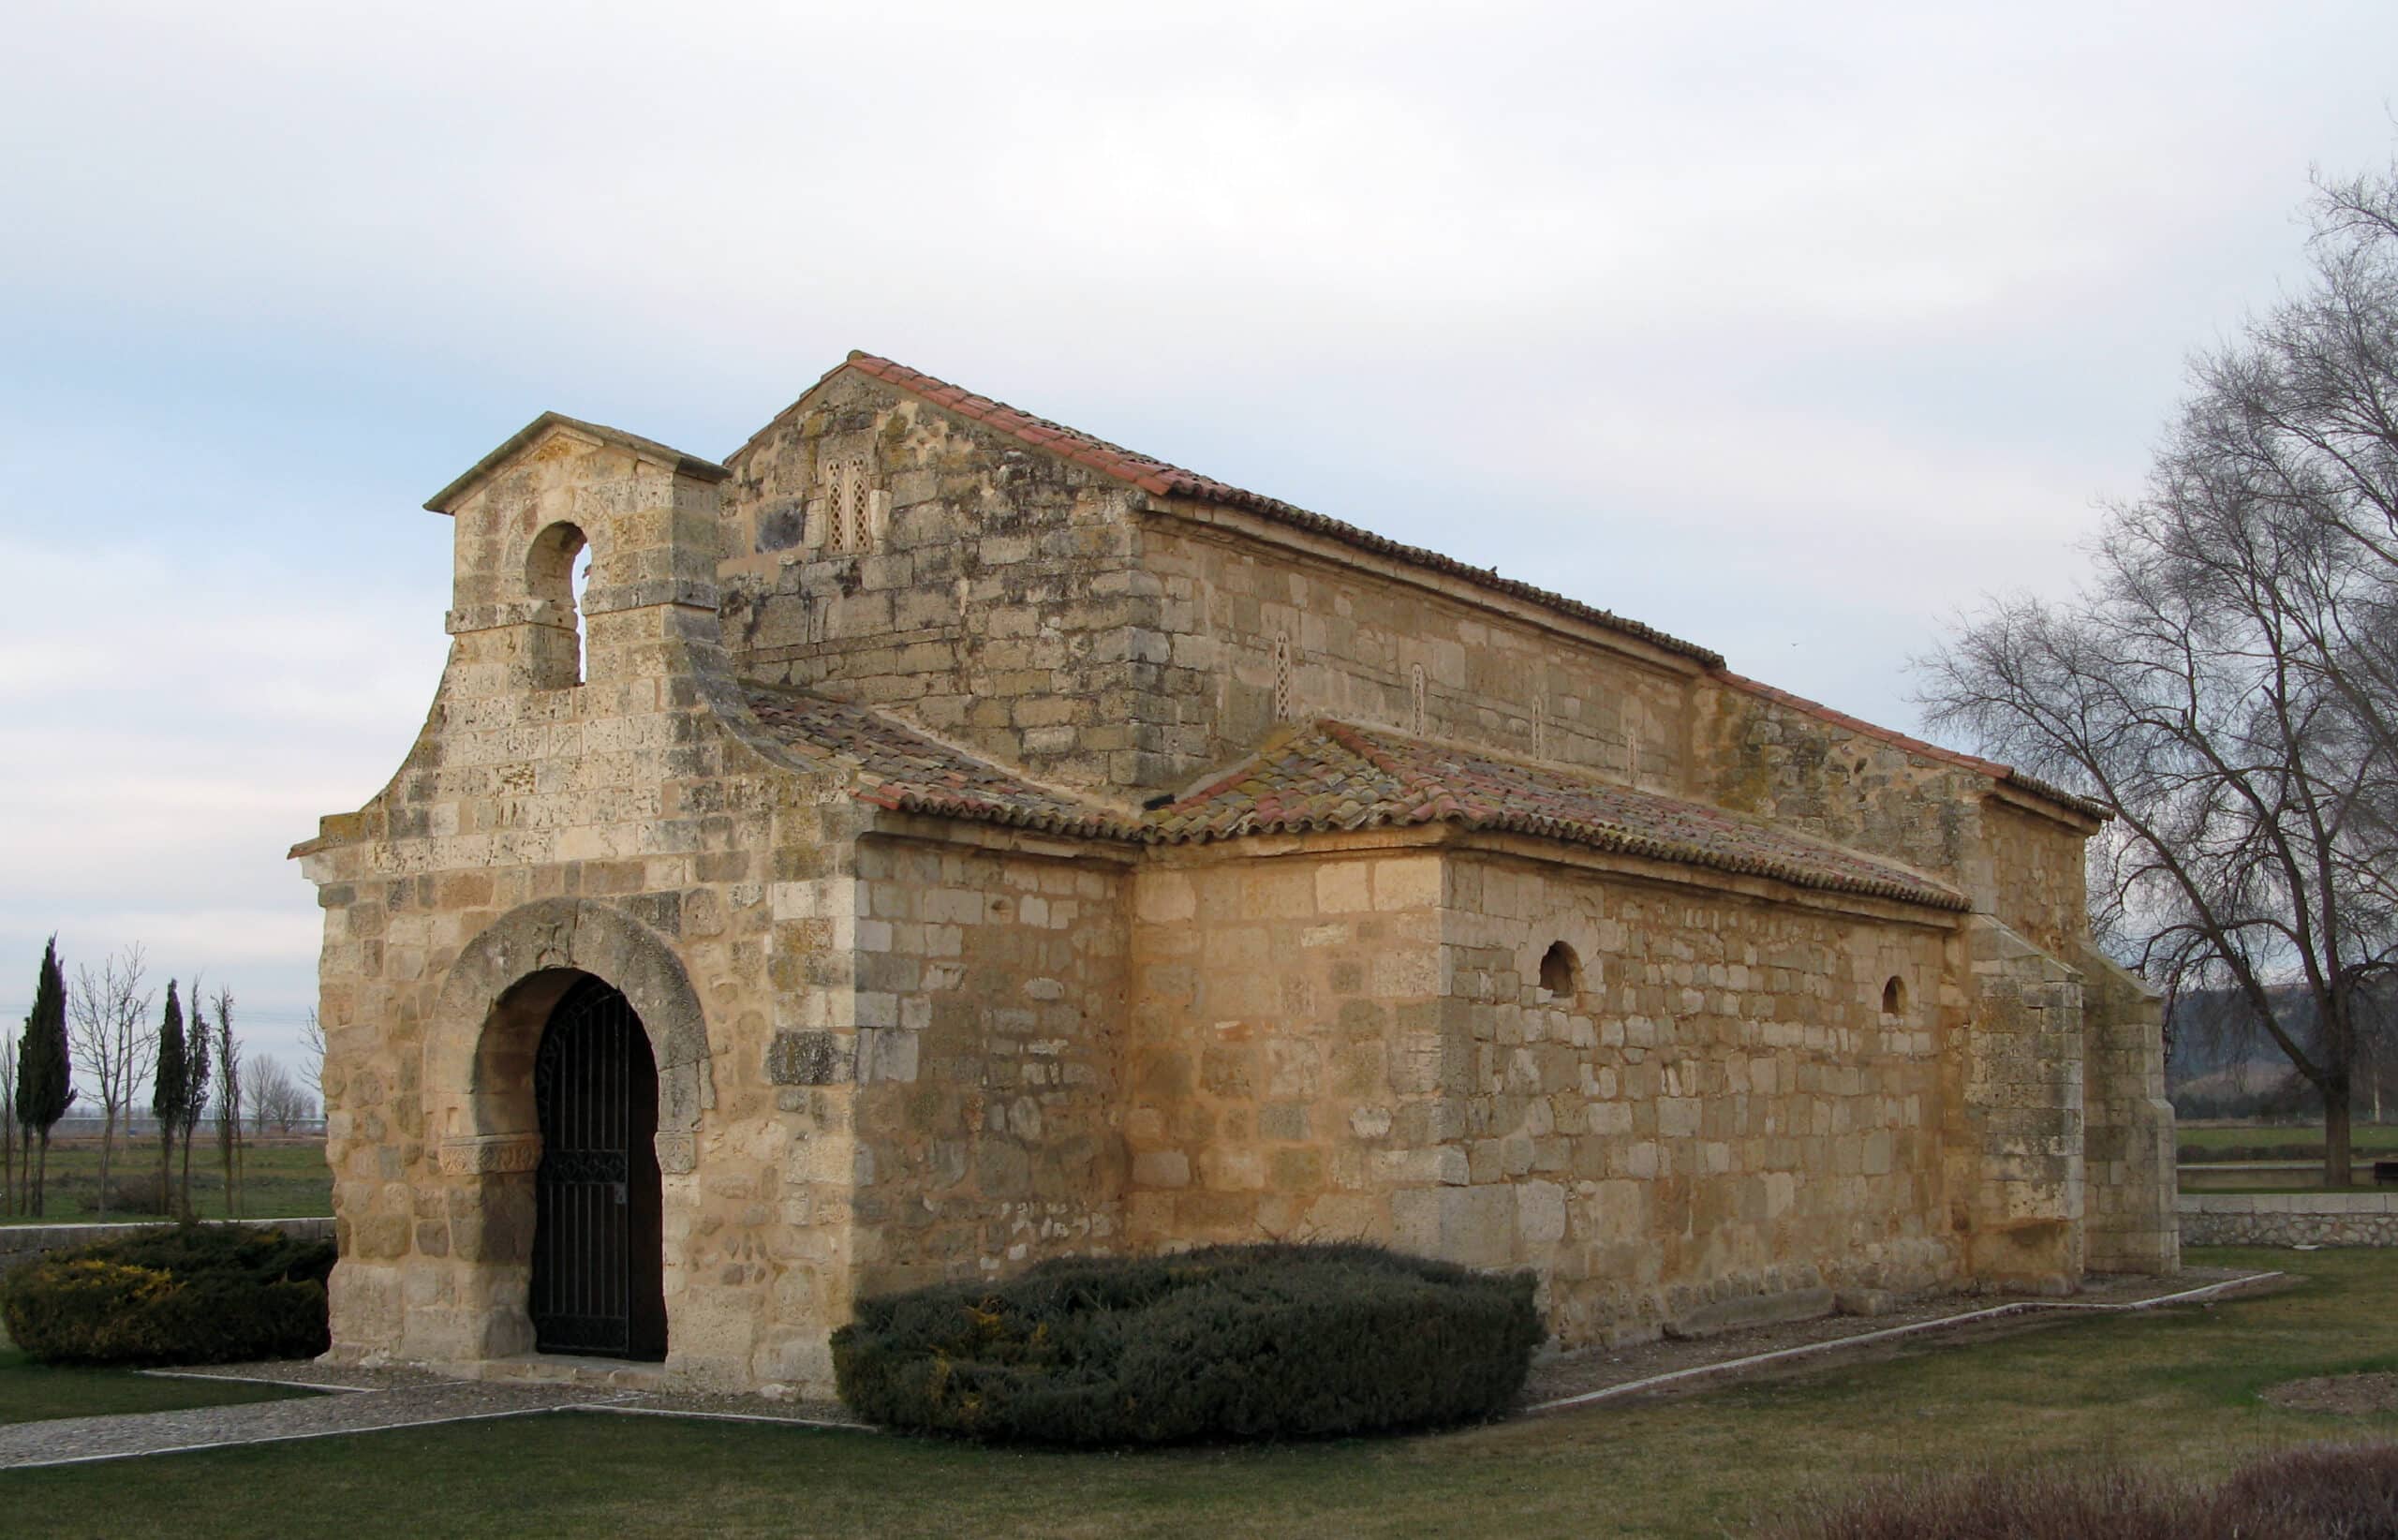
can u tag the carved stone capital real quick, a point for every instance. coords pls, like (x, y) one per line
(678, 1153)
(490, 1152)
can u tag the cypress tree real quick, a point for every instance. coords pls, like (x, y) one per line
(168, 1091)
(196, 1058)
(45, 1073)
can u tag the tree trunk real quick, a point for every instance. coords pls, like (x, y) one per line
(188, 1209)
(42, 1179)
(167, 1166)
(2338, 1165)
(108, 1149)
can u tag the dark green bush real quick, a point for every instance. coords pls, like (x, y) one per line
(1227, 1342)
(178, 1295)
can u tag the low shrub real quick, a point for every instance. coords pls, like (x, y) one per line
(1226, 1342)
(144, 1194)
(2319, 1492)
(180, 1294)
(2347, 1491)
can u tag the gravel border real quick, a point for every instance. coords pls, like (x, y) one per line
(1598, 1373)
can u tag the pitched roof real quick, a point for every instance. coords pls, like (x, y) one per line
(683, 465)
(1331, 776)
(1159, 478)
(907, 770)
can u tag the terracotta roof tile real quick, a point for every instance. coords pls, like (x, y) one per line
(1323, 777)
(906, 770)
(1161, 479)
(1333, 776)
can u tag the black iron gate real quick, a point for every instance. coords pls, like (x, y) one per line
(598, 1272)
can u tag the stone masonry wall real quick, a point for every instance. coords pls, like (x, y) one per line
(988, 1089)
(2290, 1219)
(2013, 1094)
(2127, 1131)
(1285, 1070)
(1716, 1118)
(1757, 755)
(999, 604)
(1354, 645)
(2035, 880)
(1358, 1043)
(619, 825)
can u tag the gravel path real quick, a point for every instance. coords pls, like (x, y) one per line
(1600, 1368)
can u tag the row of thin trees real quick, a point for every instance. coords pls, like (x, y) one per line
(101, 1026)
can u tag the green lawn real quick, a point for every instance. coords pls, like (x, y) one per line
(2174, 1389)
(29, 1392)
(283, 1180)
(2297, 1140)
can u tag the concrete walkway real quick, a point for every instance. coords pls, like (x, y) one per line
(72, 1441)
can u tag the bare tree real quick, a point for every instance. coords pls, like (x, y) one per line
(312, 1066)
(113, 1040)
(2228, 683)
(276, 1098)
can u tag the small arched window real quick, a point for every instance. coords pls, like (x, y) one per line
(557, 569)
(1560, 972)
(1894, 997)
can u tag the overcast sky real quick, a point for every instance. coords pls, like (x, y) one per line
(1789, 329)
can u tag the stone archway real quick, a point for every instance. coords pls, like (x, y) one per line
(478, 1087)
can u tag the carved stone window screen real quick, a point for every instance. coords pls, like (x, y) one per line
(1281, 678)
(849, 506)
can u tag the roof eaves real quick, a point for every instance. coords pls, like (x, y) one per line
(1161, 480)
(447, 500)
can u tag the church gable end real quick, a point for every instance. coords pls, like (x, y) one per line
(887, 550)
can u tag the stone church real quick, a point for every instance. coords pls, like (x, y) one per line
(936, 840)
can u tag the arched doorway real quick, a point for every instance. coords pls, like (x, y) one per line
(599, 1276)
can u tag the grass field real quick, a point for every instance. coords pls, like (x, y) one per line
(30, 1392)
(283, 1180)
(2176, 1389)
(2298, 1140)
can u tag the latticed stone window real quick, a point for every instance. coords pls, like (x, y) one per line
(1415, 700)
(1281, 678)
(849, 499)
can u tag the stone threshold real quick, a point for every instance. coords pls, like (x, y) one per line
(565, 1369)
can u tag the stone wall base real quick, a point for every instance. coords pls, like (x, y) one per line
(2290, 1219)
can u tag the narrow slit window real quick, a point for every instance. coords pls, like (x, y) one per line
(1894, 997)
